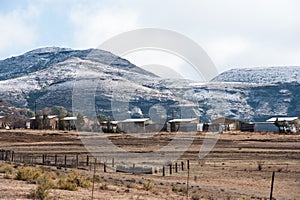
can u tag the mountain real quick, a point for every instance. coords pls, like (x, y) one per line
(59, 76)
(262, 75)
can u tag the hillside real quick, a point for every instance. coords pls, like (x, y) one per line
(261, 75)
(48, 75)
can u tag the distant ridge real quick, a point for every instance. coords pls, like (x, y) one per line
(261, 75)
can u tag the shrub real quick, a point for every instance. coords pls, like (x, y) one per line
(7, 169)
(72, 181)
(44, 185)
(103, 186)
(148, 186)
(196, 196)
(64, 184)
(183, 190)
(28, 173)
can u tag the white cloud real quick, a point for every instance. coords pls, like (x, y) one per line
(94, 26)
(234, 33)
(18, 32)
(223, 50)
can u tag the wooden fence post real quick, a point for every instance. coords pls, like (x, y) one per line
(87, 160)
(43, 159)
(113, 162)
(104, 167)
(6, 155)
(76, 160)
(55, 160)
(133, 168)
(188, 178)
(272, 185)
(93, 177)
(12, 156)
(164, 173)
(170, 169)
(65, 161)
(176, 168)
(182, 166)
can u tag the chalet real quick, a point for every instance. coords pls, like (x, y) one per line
(183, 125)
(134, 125)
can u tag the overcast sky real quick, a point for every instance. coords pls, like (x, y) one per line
(233, 33)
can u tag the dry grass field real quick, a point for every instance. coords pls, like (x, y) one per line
(239, 166)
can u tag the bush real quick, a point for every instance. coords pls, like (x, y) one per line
(65, 184)
(148, 186)
(196, 196)
(7, 169)
(44, 185)
(103, 186)
(72, 181)
(28, 173)
(183, 190)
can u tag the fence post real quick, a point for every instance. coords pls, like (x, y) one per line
(188, 178)
(43, 159)
(133, 166)
(12, 156)
(182, 166)
(113, 162)
(77, 160)
(170, 169)
(93, 177)
(104, 167)
(65, 161)
(272, 185)
(87, 160)
(176, 168)
(5, 155)
(55, 160)
(164, 173)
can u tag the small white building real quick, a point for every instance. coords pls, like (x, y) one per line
(184, 125)
(134, 125)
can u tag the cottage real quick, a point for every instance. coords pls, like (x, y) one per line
(135, 125)
(183, 125)
(227, 124)
(70, 122)
(44, 122)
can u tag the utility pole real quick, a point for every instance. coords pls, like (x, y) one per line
(35, 108)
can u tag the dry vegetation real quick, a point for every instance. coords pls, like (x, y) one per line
(239, 167)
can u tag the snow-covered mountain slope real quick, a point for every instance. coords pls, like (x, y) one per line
(263, 75)
(43, 58)
(48, 75)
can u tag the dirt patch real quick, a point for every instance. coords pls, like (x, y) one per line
(239, 166)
